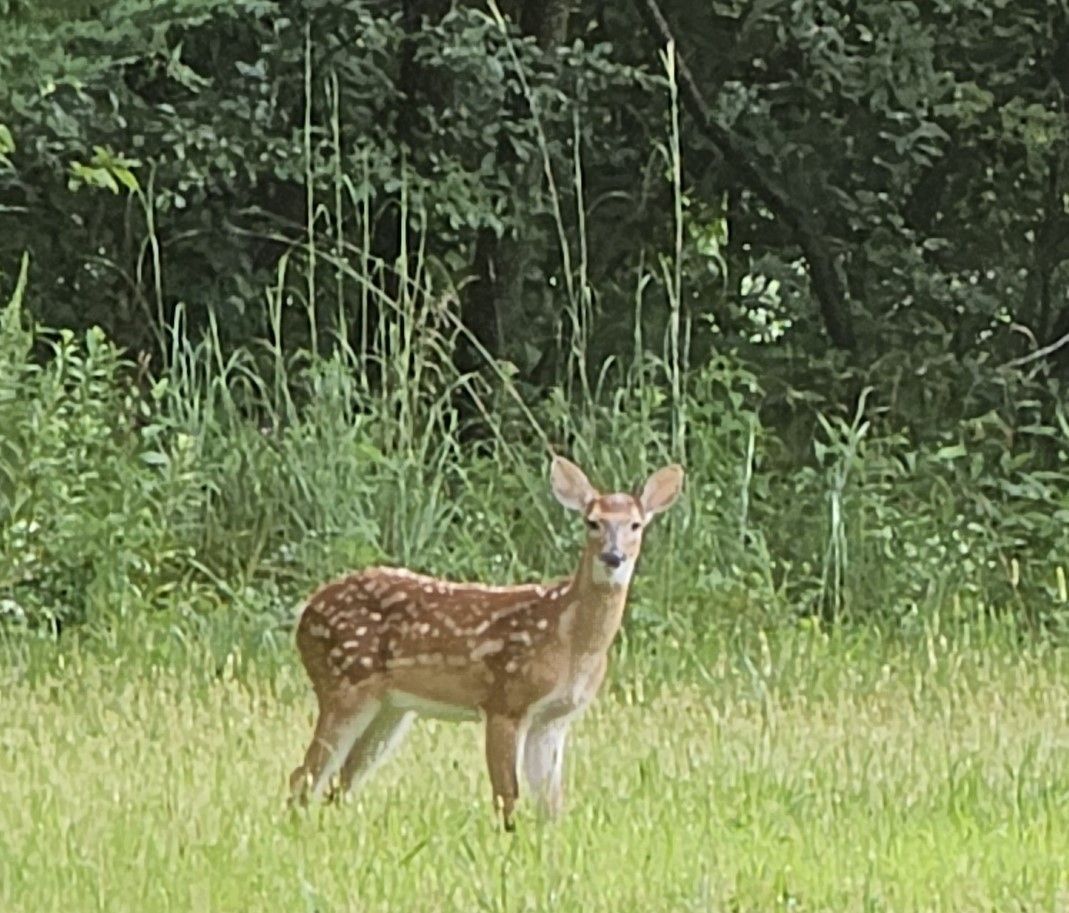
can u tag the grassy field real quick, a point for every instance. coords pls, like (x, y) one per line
(804, 772)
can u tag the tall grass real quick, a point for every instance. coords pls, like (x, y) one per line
(804, 771)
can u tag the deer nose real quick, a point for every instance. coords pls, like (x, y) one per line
(612, 558)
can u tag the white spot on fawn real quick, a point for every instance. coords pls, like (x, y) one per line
(487, 647)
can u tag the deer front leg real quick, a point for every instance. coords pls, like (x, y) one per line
(543, 762)
(503, 736)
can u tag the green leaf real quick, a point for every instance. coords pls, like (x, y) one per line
(951, 452)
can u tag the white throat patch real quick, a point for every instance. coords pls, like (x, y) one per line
(614, 576)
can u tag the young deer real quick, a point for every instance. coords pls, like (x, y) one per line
(385, 645)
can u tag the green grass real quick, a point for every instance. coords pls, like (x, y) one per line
(850, 772)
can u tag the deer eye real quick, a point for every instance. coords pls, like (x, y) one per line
(592, 525)
(636, 526)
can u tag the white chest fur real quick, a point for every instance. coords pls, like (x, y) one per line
(573, 694)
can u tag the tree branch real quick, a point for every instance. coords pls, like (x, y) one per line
(1038, 353)
(824, 277)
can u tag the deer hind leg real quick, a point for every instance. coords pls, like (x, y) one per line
(543, 764)
(504, 737)
(339, 725)
(380, 739)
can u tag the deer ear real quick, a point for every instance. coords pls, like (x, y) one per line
(661, 490)
(570, 485)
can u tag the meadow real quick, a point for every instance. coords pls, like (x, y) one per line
(802, 770)
(841, 685)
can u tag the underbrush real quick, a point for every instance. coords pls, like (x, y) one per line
(233, 485)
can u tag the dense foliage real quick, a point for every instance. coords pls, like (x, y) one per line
(329, 277)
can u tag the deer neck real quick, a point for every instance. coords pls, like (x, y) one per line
(597, 607)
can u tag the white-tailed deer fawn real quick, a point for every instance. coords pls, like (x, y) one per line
(384, 645)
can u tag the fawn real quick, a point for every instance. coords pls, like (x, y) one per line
(384, 645)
